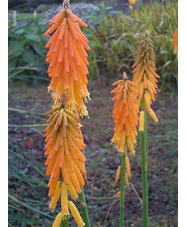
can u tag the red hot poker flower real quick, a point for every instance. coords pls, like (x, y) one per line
(145, 76)
(125, 114)
(64, 143)
(68, 60)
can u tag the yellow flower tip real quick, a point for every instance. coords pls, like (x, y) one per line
(117, 174)
(57, 221)
(72, 191)
(75, 214)
(55, 198)
(147, 101)
(141, 121)
(127, 180)
(64, 200)
(153, 115)
(127, 163)
(83, 113)
(130, 145)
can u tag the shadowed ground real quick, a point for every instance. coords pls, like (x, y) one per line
(28, 199)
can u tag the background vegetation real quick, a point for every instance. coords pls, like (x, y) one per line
(113, 34)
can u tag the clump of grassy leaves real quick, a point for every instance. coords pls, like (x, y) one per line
(113, 38)
(27, 183)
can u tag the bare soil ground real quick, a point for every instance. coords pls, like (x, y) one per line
(28, 199)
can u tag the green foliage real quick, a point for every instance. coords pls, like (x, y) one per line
(162, 21)
(26, 48)
(26, 178)
(112, 45)
(114, 36)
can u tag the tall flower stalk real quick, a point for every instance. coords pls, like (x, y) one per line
(125, 116)
(145, 78)
(64, 141)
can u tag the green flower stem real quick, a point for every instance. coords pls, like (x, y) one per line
(65, 223)
(144, 167)
(84, 208)
(122, 191)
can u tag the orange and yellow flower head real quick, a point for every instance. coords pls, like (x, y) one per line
(68, 60)
(64, 143)
(145, 76)
(68, 71)
(125, 115)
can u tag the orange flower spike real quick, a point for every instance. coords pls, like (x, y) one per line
(145, 72)
(68, 70)
(68, 60)
(63, 147)
(125, 114)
